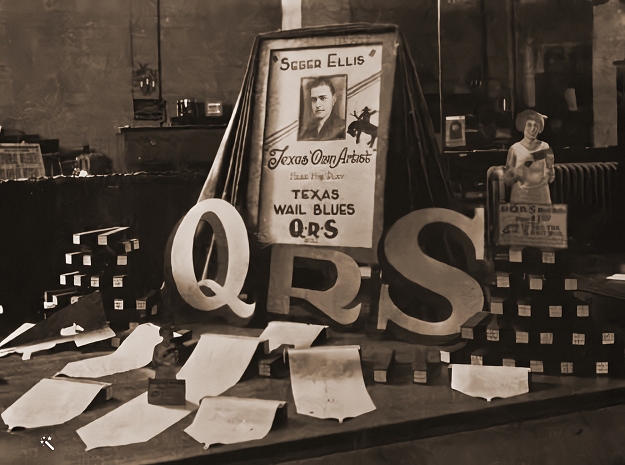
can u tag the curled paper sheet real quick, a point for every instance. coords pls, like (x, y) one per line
(29, 349)
(216, 364)
(135, 421)
(299, 335)
(25, 327)
(489, 382)
(228, 420)
(135, 352)
(51, 402)
(327, 382)
(89, 337)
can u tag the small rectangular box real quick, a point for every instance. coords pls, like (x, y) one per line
(566, 368)
(536, 282)
(522, 337)
(601, 368)
(555, 311)
(164, 391)
(63, 278)
(524, 310)
(79, 280)
(496, 307)
(503, 280)
(607, 338)
(537, 366)
(515, 255)
(492, 335)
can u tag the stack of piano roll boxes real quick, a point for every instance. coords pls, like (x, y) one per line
(537, 318)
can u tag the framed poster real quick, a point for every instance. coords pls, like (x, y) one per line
(322, 111)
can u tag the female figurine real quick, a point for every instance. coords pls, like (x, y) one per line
(529, 166)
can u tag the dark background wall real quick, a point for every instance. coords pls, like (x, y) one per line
(66, 65)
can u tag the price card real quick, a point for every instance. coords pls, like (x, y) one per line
(607, 338)
(570, 284)
(515, 255)
(503, 280)
(118, 281)
(135, 244)
(579, 339)
(508, 362)
(602, 368)
(73, 299)
(492, 335)
(122, 260)
(549, 257)
(78, 279)
(566, 368)
(86, 260)
(95, 281)
(583, 310)
(536, 283)
(477, 360)
(522, 337)
(555, 311)
(496, 308)
(546, 338)
(118, 304)
(536, 366)
(525, 310)
(141, 304)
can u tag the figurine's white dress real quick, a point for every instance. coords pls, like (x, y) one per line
(533, 176)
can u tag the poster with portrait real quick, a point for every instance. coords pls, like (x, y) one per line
(321, 152)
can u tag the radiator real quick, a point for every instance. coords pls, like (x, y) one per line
(587, 188)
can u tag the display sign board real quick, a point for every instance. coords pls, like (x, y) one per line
(531, 225)
(321, 124)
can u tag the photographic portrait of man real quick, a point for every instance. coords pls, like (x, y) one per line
(322, 108)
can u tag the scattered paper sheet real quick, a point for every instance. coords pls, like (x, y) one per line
(135, 352)
(216, 364)
(489, 382)
(89, 337)
(299, 335)
(135, 421)
(25, 327)
(29, 349)
(87, 312)
(228, 420)
(80, 339)
(327, 382)
(51, 401)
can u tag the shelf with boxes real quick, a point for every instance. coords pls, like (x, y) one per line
(110, 261)
(536, 319)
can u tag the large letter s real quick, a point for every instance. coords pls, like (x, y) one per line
(404, 254)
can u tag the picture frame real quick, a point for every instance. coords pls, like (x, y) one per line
(310, 185)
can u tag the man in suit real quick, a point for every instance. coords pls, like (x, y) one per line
(326, 123)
